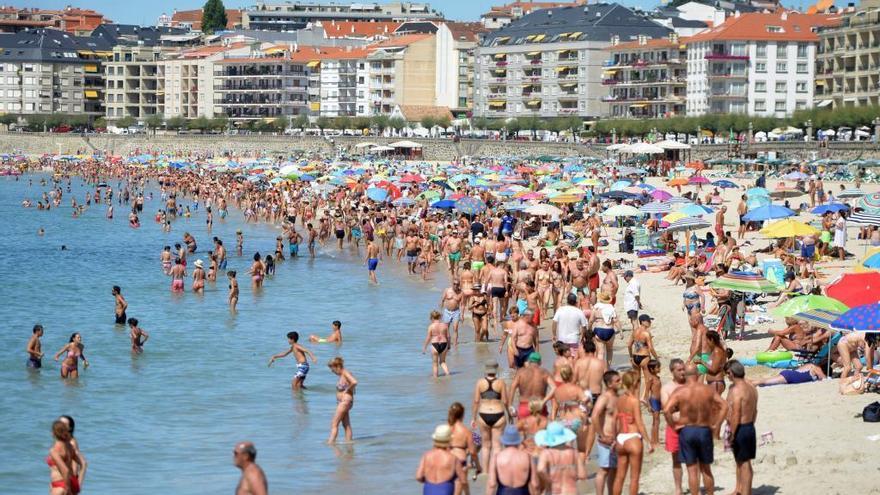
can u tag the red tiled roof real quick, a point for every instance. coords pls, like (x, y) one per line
(194, 18)
(794, 26)
(361, 29)
(466, 30)
(405, 40)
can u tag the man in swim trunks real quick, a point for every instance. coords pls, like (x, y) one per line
(35, 348)
(253, 479)
(178, 273)
(593, 273)
(532, 382)
(743, 400)
(589, 370)
(701, 412)
(603, 432)
(525, 339)
(741, 210)
(372, 260)
(121, 305)
(478, 254)
(220, 253)
(578, 274)
(677, 370)
(453, 253)
(412, 251)
(299, 355)
(450, 304)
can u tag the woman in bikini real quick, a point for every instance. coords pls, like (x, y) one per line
(531, 425)
(641, 346)
(233, 290)
(693, 298)
(630, 434)
(439, 470)
(604, 325)
(479, 306)
(506, 333)
(489, 406)
(714, 364)
(344, 399)
(569, 408)
(462, 444)
(257, 271)
(62, 460)
(558, 464)
(74, 349)
(438, 337)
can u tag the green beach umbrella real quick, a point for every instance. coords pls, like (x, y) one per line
(744, 282)
(806, 303)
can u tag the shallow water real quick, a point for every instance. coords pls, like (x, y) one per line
(166, 421)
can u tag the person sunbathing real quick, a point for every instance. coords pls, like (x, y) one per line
(802, 374)
(791, 338)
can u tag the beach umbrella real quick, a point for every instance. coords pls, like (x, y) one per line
(855, 289)
(622, 211)
(642, 149)
(785, 192)
(660, 194)
(586, 181)
(788, 228)
(470, 205)
(514, 206)
(618, 195)
(724, 184)
(306, 178)
(821, 318)
(687, 224)
(697, 179)
(543, 209)
(412, 178)
(444, 204)
(377, 194)
(796, 176)
(673, 217)
(678, 181)
(621, 185)
(870, 203)
(805, 303)
(668, 144)
(768, 212)
(757, 191)
(403, 202)
(655, 207)
(862, 218)
(430, 195)
(744, 282)
(566, 198)
(864, 318)
(695, 210)
(830, 207)
(678, 200)
(872, 261)
(851, 193)
(757, 202)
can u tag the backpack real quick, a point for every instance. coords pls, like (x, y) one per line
(871, 413)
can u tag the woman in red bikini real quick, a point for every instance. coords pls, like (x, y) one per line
(74, 349)
(64, 480)
(630, 434)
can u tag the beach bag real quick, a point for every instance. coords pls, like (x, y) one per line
(871, 413)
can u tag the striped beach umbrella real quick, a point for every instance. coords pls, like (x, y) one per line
(865, 318)
(677, 200)
(820, 318)
(808, 302)
(688, 223)
(744, 282)
(655, 207)
(851, 193)
(863, 218)
(870, 203)
(622, 211)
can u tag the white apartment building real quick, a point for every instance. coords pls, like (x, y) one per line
(189, 79)
(758, 63)
(343, 76)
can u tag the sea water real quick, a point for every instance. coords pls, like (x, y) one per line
(166, 421)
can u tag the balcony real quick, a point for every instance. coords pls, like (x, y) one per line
(502, 63)
(734, 95)
(728, 75)
(568, 110)
(535, 61)
(725, 56)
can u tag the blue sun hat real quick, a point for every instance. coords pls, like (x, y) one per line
(554, 435)
(511, 436)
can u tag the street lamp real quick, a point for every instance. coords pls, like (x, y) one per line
(809, 125)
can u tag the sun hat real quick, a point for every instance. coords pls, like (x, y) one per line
(511, 436)
(555, 434)
(198, 263)
(442, 434)
(604, 297)
(534, 357)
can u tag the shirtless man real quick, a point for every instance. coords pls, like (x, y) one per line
(610, 284)
(701, 411)
(35, 348)
(452, 249)
(478, 254)
(603, 432)
(411, 247)
(137, 335)
(593, 273)
(372, 260)
(166, 259)
(450, 305)
(676, 368)
(299, 354)
(589, 370)
(743, 400)
(532, 382)
(497, 287)
(741, 210)
(253, 479)
(719, 222)
(121, 305)
(525, 339)
(220, 253)
(178, 273)
(335, 336)
(578, 284)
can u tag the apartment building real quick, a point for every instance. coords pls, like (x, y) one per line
(339, 82)
(549, 63)
(757, 63)
(499, 16)
(72, 20)
(41, 72)
(403, 71)
(848, 59)
(192, 19)
(647, 78)
(189, 79)
(135, 82)
(271, 84)
(291, 16)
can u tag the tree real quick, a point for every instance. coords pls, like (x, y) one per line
(428, 122)
(154, 121)
(396, 123)
(481, 123)
(219, 123)
(213, 16)
(342, 123)
(300, 121)
(175, 123)
(199, 124)
(324, 123)
(125, 122)
(361, 124)
(379, 122)
(99, 123)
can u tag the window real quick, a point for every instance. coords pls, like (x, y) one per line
(781, 49)
(802, 50)
(800, 105)
(761, 50)
(781, 68)
(761, 67)
(760, 86)
(802, 68)
(780, 106)
(781, 87)
(760, 106)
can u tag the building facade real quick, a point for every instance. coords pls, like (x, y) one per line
(758, 63)
(135, 82)
(403, 71)
(550, 63)
(647, 78)
(269, 86)
(291, 16)
(848, 60)
(189, 79)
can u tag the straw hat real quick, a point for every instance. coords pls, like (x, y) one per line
(442, 434)
(198, 263)
(604, 297)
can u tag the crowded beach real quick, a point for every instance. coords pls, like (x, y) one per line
(640, 313)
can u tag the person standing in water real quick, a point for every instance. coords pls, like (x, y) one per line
(345, 387)
(121, 305)
(335, 336)
(372, 260)
(253, 479)
(35, 348)
(74, 348)
(137, 335)
(198, 285)
(299, 354)
(178, 273)
(438, 337)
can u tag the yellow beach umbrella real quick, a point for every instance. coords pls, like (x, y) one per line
(788, 228)
(566, 198)
(673, 217)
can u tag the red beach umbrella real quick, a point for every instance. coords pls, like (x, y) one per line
(855, 289)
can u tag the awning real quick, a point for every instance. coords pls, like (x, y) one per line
(638, 105)
(563, 52)
(103, 53)
(496, 103)
(575, 35)
(533, 102)
(502, 39)
(533, 54)
(531, 37)
(274, 50)
(313, 63)
(610, 72)
(91, 93)
(820, 83)
(569, 85)
(91, 68)
(564, 35)
(314, 107)
(560, 69)
(540, 37)
(500, 55)
(85, 53)
(824, 103)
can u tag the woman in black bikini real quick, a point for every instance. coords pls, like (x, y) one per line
(479, 306)
(641, 346)
(490, 405)
(438, 337)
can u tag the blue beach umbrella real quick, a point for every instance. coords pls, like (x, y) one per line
(470, 205)
(724, 184)
(377, 194)
(443, 204)
(768, 212)
(864, 318)
(307, 178)
(757, 191)
(830, 207)
(695, 210)
(757, 202)
(403, 202)
(873, 261)
(656, 207)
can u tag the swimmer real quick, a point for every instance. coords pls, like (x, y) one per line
(299, 354)
(335, 336)
(165, 258)
(35, 348)
(239, 242)
(233, 290)
(178, 273)
(438, 337)
(121, 305)
(253, 479)
(41, 232)
(137, 335)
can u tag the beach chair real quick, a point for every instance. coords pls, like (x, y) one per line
(641, 238)
(819, 357)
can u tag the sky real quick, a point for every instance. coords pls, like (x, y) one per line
(145, 12)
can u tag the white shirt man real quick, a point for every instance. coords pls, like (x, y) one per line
(568, 322)
(632, 302)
